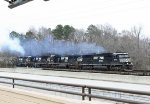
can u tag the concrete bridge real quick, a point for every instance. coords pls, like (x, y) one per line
(16, 95)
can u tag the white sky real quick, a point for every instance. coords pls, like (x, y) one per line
(121, 14)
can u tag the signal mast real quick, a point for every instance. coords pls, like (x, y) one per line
(16, 3)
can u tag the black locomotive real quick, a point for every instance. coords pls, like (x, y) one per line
(107, 61)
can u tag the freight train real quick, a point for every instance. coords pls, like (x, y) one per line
(107, 61)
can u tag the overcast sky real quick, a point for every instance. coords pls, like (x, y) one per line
(121, 14)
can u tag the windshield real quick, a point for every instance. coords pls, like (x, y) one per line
(123, 56)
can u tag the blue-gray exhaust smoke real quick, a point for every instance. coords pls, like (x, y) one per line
(11, 46)
(48, 45)
(34, 47)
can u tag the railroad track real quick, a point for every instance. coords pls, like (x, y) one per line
(135, 72)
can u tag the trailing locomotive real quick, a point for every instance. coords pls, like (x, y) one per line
(107, 61)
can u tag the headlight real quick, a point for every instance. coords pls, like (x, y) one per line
(129, 59)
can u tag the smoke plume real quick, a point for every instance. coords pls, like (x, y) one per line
(35, 47)
(9, 45)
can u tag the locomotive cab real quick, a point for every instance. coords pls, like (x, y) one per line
(20, 60)
(124, 60)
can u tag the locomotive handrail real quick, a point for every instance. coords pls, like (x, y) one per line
(86, 90)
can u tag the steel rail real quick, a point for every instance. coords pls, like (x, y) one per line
(42, 81)
(120, 90)
(134, 72)
(42, 88)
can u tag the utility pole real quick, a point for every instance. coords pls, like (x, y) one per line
(137, 33)
(138, 45)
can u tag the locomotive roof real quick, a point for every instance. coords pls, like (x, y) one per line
(123, 53)
(74, 55)
(117, 53)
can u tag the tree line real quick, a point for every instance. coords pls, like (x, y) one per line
(131, 41)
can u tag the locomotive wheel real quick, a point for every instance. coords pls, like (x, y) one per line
(109, 67)
(127, 68)
(81, 67)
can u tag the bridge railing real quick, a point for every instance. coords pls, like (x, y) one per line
(86, 91)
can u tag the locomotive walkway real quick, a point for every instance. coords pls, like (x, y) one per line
(109, 90)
